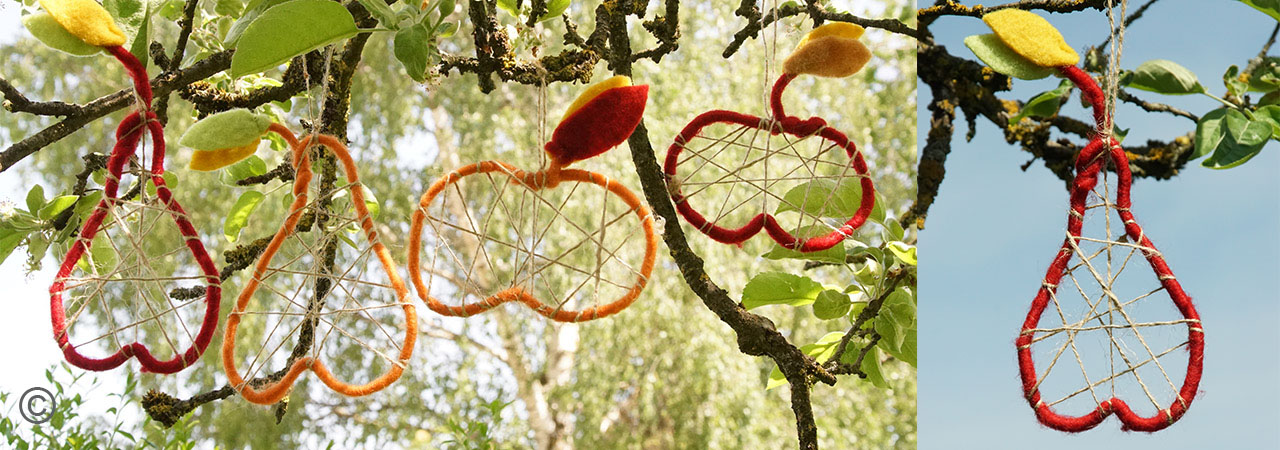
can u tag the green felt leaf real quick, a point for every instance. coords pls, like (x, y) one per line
(1165, 77)
(252, 11)
(773, 288)
(1269, 7)
(824, 198)
(47, 30)
(412, 48)
(288, 30)
(1209, 132)
(831, 304)
(228, 129)
(993, 51)
(239, 214)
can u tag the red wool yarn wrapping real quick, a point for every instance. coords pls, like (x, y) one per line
(128, 135)
(781, 124)
(1089, 163)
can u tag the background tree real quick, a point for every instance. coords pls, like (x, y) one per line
(662, 374)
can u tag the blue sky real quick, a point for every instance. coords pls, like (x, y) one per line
(994, 228)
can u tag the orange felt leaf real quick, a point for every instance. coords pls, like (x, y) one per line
(208, 160)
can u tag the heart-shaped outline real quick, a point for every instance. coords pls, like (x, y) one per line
(128, 135)
(534, 181)
(812, 127)
(267, 394)
(1088, 164)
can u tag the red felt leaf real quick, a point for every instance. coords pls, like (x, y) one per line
(599, 125)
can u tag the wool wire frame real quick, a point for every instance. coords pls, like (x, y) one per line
(271, 389)
(531, 241)
(1092, 161)
(137, 126)
(752, 127)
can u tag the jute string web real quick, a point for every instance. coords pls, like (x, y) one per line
(135, 254)
(741, 171)
(326, 280)
(1113, 307)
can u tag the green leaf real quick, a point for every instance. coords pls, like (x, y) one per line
(1271, 115)
(1231, 79)
(831, 304)
(897, 315)
(252, 11)
(1269, 7)
(1230, 152)
(371, 202)
(228, 129)
(824, 198)
(9, 240)
(554, 9)
(411, 49)
(446, 8)
(87, 203)
(993, 51)
(47, 30)
(821, 351)
(1265, 77)
(35, 198)
(510, 7)
(1246, 131)
(870, 364)
(834, 255)
(1043, 105)
(1165, 77)
(249, 167)
(772, 288)
(56, 206)
(1209, 132)
(288, 30)
(445, 30)
(238, 217)
(381, 11)
(905, 253)
(134, 19)
(102, 257)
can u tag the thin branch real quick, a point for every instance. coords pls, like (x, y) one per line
(94, 110)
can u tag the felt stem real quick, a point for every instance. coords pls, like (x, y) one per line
(1090, 90)
(136, 70)
(775, 98)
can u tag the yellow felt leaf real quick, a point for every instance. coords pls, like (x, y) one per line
(595, 90)
(87, 20)
(840, 29)
(207, 160)
(1032, 36)
(828, 56)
